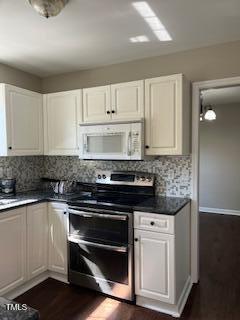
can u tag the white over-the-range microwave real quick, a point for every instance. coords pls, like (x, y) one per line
(115, 141)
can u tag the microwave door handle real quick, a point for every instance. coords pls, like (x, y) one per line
(129, 145)
(98, 245)
(85, 145)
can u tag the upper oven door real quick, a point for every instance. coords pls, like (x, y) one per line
(108, 142)
(101, 226)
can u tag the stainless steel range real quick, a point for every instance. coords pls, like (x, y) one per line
(100, 233)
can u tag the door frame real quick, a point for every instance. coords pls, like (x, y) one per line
(196, 89)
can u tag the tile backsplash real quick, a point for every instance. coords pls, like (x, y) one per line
(173, 173)
(27, 170)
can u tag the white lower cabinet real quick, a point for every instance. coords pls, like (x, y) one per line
(162, 260)
(33, 239)
(12, 249)
(37, 239)
(57, 259)
(154, 271)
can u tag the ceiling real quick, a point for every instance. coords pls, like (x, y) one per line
(93, 33)
(221, 96)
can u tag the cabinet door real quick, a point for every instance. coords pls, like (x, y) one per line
(62, 115)
(57, 238)
(164, 115)
(24, 113)
(127, 100)
(96, 104)
(12, 249)
(154, 265)
(37, 239)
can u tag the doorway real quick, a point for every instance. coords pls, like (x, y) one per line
(198, 88)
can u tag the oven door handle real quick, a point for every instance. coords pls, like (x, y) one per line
(87, 214)
(98, 245)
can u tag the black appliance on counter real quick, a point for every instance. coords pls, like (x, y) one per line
(100, 233)
(8, 186)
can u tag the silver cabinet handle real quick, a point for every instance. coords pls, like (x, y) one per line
(87, 214)
(97, 245)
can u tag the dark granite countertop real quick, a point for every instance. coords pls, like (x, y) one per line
(31, 197)
(156, 204)
(162, 205)
(23, 312)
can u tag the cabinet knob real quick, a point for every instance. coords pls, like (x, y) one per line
(113, 111)
(10, 148)
(136, 239)
(152, 223)
(108, 112)
(147, 147)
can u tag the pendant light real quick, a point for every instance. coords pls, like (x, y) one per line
(48, 8)
(210, 114)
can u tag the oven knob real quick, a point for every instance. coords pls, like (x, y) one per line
(99, 176)
(104, 176)
(138, 177)
(149, 179)
(143, 178)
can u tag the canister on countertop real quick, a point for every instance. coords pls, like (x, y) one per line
(8, 186)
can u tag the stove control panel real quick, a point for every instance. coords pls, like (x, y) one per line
(143, 179)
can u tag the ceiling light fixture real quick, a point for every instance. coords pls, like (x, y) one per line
(139, 39)
(152, 20)
(210, 114)
(48, 8)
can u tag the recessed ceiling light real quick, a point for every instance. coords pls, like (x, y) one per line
(139, 39)
(155, 23)
(152, 20)
(143, 9)
(163, 35)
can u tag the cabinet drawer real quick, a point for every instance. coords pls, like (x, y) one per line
(154, 222)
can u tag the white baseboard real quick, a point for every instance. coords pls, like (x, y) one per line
(220, 211)
(174, 310)
(34, 282)
(26, 286)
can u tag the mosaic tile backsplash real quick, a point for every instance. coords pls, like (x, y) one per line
(27, 171)
(173, 173)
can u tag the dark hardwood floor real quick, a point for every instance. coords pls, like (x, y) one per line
(216, 297)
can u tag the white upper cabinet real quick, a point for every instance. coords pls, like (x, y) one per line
(37, 239)
(127, 100)
(118, 102)
(96, 104)
(167, 115)
(21, 122)
(62, 115)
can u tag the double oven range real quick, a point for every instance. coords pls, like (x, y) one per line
(100, 233)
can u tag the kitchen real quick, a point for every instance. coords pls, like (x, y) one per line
(96, 173)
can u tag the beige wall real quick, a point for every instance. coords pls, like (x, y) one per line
(220, 159)
(19, 78)
(214, 62)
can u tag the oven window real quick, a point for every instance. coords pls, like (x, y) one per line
(99, 262)
(105, 144)
(101, 229)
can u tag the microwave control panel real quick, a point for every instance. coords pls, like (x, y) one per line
(135, 142)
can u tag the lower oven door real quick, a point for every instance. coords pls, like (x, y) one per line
(102, 267)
